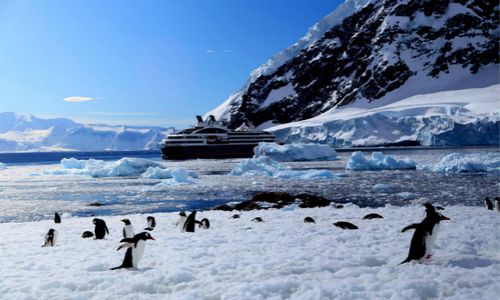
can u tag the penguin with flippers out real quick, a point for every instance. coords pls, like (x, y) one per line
(135, 250)
(100, 229)
(50, 238)
(425, 234)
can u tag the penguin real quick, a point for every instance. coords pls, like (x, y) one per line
(151, 223)
(57, 218)
(257, 220)
(424, 235)
(181, 221)
(50, 238)
(372, 216)
(488, 204)
(128, 230)
(100, 229)
(135, 250)
(204, 223)
(236, 216)
(87, 234)
(497, 204)
(345, 225)
(309, 220)
(190, 222)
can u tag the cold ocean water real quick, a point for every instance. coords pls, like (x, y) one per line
(33, 186)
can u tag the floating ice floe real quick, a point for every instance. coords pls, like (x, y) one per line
(468, 163)
(126, 166)
(265, 166)
(378, 162)
(2, 166)
(173, 176)
(295, 152)
(383, 187)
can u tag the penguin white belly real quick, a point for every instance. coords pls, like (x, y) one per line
(180, 223)
(430, 239)
(138, 252)
(128, 231)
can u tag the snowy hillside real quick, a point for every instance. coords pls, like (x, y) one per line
(369, 53)
(29, 133)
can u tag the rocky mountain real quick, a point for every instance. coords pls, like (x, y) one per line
(369, 53)
(29, 133)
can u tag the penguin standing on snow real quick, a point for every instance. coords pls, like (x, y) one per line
(100, 229)
(190, 222)
(50, 238)
(488, 204)
(57, 218)
(425, 234)
(181, 221)
(128, 230)
(151, 223)
(135, 250)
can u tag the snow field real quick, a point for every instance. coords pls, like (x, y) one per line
(280, 258)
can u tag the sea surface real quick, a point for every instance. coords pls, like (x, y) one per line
(31, 190)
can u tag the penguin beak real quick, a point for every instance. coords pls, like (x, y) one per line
(152, 238)
(445, 218)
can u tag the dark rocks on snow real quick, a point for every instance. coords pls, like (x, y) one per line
(265, 200)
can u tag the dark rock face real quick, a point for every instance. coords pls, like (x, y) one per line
(265, 200)
(373, 52)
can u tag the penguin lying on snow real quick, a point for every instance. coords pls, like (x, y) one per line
(50, 238)
(425, 234)
(87, 234)
(204, 223)
(372, 216)
(57, 218)
(100, 229)
(488, 204)
(128, 230)
(257, 220)
(345, 225)
(135, 250)
(151, 223)
(309, 220)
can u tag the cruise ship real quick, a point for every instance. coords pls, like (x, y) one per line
(212, 139)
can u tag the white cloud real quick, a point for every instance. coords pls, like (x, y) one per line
(211, 51)
(78, 99)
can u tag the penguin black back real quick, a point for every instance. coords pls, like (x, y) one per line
(372, 216)
(488, 204)
(345, 225)
(257, 220)
(57, 218)
(100, 229)
(190, 222)
(309, 220)
(424, 229)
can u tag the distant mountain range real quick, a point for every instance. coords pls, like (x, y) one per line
(29, 133)
(368, 54)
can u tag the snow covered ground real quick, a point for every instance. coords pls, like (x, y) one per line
(280, 258)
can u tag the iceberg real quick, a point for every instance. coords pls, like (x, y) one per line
(378, 162)
(179, 174)
(295, 152)
(265, 166)
(470, 163)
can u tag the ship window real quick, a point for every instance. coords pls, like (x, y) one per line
(212, 130)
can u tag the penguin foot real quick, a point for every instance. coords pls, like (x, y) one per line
(429, 256)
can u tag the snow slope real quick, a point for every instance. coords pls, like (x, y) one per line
(29, 133)
(280, 258)
(461, 117)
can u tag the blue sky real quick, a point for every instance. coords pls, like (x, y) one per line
(142, 62)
